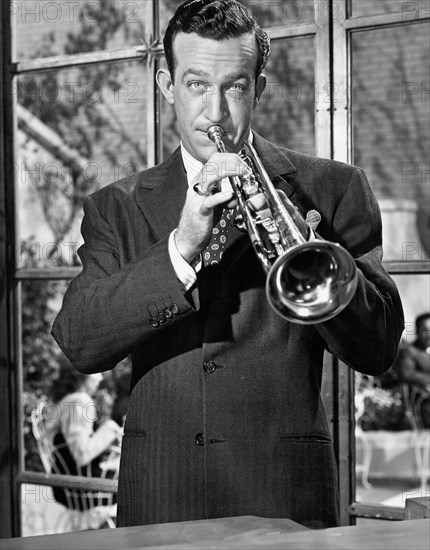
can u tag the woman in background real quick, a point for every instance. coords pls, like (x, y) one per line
(79, 441)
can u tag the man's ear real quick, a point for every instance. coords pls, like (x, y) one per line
(165, 84)
(260, 85)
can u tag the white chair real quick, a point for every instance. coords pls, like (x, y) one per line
(84, 509)
(421, 440)
(363, 467)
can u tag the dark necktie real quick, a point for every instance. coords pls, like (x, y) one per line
(212, 254)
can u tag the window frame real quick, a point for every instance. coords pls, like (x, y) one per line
(343, 386)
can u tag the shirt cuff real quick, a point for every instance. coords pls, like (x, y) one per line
(185, 272)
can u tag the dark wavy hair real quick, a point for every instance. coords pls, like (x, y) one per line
(421, 319)
(68, 380)
(217, 20)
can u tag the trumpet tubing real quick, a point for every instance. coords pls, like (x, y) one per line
(307, 282)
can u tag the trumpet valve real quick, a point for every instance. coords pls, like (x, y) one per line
(239, 222)
(249, 186)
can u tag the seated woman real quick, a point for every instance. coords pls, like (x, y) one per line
(79, 441)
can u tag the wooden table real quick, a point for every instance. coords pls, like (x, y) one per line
(245, 532)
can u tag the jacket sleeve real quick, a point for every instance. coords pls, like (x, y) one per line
(366, 334)
(110, 308)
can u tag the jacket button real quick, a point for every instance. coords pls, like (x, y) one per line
(209, 367)
(168, 314)
(154, 323)
(174, 308)
(161, 318)
(200, 439)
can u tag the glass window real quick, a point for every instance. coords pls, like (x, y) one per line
(362, 8)
(79, 129)
(391, 132)
(268, 13)
(45, 29)
(41, 301)
(167, 9)
(276, 13)
(390, 460)
(286, 113)
(53, 510)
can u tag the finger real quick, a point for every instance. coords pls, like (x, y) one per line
(197, 188)
(228, 165)
(211, 202)
(219, 166)
(231, 204)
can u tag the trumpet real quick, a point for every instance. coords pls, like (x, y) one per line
(307, 282)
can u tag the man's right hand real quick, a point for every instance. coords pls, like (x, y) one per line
(199, 213)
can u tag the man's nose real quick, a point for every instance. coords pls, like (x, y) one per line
(216, 106)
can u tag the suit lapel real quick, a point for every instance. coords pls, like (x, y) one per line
(279, 168)
(161, 194)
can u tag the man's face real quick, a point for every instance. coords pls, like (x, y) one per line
(423, 333)
(214, 83)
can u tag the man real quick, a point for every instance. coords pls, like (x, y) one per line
(412, 367)
(415, 360)
(225, 416)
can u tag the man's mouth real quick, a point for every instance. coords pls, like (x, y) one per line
(226, 132)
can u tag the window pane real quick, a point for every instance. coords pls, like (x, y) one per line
(286, 112)
(269, 13)
(388, 445)
(391, 132)
(40, 304)
(42, 359)
(167, 9)
(361, 8)
(44, 29)
(79, 129)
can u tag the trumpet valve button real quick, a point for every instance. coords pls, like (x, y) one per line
(257, 202)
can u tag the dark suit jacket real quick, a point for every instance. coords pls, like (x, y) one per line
(225, 416)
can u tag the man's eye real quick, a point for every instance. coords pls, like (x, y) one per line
(237, 88)
(197, 86)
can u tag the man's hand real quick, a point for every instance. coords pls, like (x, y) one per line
(199, 213)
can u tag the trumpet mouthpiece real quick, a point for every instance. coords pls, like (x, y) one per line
(215, 133)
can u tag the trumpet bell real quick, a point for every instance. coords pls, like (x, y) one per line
(311, 282)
